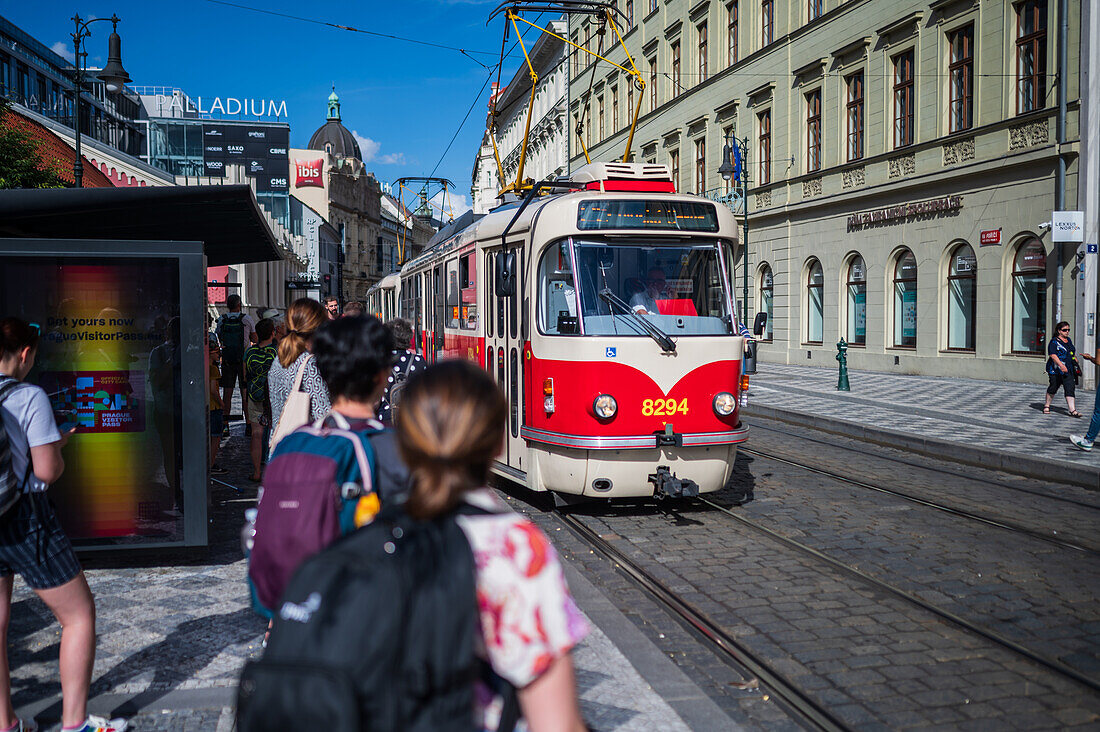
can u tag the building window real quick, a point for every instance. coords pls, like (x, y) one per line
(653, 5)
(702, 33)
(674, 167)
(676, 87)
(576, 54)
(905, 300)
(767, 291)
(1031, 55)
(764, 128)
(630, 100)
(855, 115)
(628, 11)
(857, 302)
(961, 291)
(815, 303)
(731, 34)
(614, 108)
(903, 99)
(961, 71)
(1029, 298)
(813, 131)
(767, 22)
(587, 45)
(599, 117)
(813, 9)
(652, 83)
(700, 166)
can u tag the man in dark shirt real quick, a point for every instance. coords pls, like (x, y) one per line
(257, 362)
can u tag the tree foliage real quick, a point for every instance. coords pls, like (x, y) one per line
(21, 162)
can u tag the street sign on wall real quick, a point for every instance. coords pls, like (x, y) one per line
(991, 237)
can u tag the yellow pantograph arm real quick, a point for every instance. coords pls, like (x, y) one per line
(582, 48)
(518, 185)
(633, 71)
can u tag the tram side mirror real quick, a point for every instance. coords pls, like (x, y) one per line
(759, 323)
(505, 284)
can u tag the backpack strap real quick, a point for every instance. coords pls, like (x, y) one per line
(301, 372)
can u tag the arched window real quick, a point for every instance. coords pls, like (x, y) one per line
(905, 300)
(961, 290)
(1029, 298)
(857, 302)
(767, 289)
(815, 303)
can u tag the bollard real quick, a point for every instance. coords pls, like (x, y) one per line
(842, 359)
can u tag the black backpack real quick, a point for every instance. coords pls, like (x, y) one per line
(376, 632)
(231, 335)
(11, 485)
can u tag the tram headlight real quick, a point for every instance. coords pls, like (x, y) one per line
(724, 404)
(605, 406)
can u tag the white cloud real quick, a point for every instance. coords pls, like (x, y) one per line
(370, 149)
(63, 50)
(457, 204)
(391, 159)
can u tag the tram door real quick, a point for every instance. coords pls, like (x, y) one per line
(504, 336)
(438, 316)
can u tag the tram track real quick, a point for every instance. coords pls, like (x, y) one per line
(929, 503)
(1051, 664)
(794, 700)
(833, 444)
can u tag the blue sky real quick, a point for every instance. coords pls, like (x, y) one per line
(404, 101)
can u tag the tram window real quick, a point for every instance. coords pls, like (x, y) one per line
(557, 301)
(512, 307)
(679, 288)
(525, 306)
(453, 298)
(489, 279)
(467, 270)
(500, 368)
(513, 393)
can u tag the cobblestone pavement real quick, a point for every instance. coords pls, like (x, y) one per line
(998, 415)
(874, 659)
(174, 629)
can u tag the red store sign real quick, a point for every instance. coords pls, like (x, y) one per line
(308, 173)
(991, 237)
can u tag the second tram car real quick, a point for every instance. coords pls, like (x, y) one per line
(606, 314)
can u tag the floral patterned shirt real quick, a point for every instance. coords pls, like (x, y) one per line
(280, 381)
(528, 617)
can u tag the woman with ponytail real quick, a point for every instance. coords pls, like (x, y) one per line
(302, 318)
(450, 428)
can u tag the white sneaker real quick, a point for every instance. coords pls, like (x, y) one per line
(99, 724)
(1081, 442)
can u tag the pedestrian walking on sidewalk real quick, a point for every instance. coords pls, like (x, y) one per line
(406, 362)
(235, 332)
(1085, 442)
(450, 430)
(1062, 369)
(304, 317)
(32, 541)
(217, 406)
(257, 362)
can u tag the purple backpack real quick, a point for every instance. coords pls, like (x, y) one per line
(312, 485)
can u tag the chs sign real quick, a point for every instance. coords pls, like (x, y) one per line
(307, 173)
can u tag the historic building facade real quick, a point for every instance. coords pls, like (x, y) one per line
(903, 160)
(330, 178)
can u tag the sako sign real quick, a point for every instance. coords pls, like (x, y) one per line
(904, 212)
(229, 106)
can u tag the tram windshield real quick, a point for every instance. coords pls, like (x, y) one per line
(676, 287)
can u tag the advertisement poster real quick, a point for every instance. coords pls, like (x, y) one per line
(909, 314)
(860, 315)
(109, 360)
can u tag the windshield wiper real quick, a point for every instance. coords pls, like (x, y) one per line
(663, 340)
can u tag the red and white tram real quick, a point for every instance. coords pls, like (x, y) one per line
(606, 315)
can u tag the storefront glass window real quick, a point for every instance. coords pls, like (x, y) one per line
(767, 289)
(1029, 298)
(961, 289)
(815, 304)
(905, 301)
(857, 302)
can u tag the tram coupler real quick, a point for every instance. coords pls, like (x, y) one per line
(667, 485)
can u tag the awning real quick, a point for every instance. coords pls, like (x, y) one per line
(226, 219)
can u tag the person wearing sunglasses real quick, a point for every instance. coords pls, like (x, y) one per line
(1062, 369)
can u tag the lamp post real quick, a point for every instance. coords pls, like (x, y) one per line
(112, 75)
(735, 156)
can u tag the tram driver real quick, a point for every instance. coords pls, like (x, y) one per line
(644, 302)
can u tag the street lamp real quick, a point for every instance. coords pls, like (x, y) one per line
(734, 156)
(112, 75)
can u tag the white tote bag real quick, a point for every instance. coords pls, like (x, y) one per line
(296, 411)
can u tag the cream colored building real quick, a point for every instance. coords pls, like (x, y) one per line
(903, 164)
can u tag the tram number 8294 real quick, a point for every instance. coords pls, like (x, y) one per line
(664, 407)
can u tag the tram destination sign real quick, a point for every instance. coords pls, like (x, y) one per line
(904, 212)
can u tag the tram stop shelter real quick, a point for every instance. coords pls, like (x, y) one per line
(115, 281)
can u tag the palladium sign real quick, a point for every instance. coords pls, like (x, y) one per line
(904, 212)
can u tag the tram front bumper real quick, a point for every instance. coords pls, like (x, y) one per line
(667, 485)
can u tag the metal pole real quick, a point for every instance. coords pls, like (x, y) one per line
(1060, 184)
(78, 78)
(745, 226)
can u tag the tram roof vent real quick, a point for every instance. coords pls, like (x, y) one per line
(640, 177)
